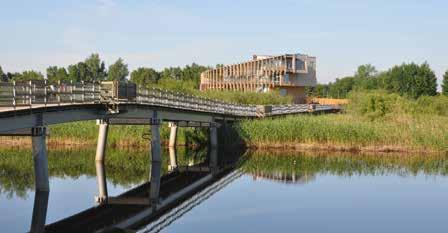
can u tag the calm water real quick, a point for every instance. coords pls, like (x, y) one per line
(276, 192)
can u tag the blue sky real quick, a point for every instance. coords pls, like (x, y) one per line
(341, 34)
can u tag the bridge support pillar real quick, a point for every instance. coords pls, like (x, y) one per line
(156, 163)
(172, 146)
(173, 134)
(39, 212)
(214, 136)
(102, 140)
(102, 185)
(213, 148)
(173, 159)
(99, 161)
(40, 159)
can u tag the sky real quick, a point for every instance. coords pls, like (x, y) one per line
(341, 34)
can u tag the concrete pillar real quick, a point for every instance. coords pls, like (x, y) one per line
(214, 161)
(102, 185)
(156, 161)
(102, 140)
(173, 159)
(213, 136)
(173, 134)
(40, 159)
(39, 212)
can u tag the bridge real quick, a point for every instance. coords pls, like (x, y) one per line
(27, 108)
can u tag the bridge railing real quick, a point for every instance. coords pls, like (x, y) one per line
(32, 93)
(19, 94)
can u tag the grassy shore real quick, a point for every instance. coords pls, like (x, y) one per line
(372, 121)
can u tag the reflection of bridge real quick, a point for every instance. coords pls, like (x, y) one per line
(27, 108)
(181, 190)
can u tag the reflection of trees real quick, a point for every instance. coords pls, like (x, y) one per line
(298, 167)
(125, 167)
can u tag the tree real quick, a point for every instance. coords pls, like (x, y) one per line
(96, 68)
(144, 76)
(3, 76)
(366, 71)
(118, 71)
(445, 84)
(55, 74)
(171, 73)
(411, 80)
(26, 76)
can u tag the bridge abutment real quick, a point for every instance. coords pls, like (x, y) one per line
(172, 146)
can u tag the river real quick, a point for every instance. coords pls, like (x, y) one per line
(273, 191)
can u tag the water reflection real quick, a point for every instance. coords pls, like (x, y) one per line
(128, 168)
(39, 211)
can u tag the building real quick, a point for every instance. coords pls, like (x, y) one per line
(288, 74)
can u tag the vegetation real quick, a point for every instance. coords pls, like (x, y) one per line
(410, 80)
(118, 71)
(445, 84)
(307, 165)
(373, 121)
(17, 176)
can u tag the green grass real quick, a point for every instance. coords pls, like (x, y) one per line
(86, 132)
(372, 119)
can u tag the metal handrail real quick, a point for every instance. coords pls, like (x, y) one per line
(36, 93)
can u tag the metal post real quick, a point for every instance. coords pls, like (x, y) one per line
(102, 185)
(156, 161)
(40, 159)
(102, 140)
(39, 212)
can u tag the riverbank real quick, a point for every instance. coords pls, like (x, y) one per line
(372, 122)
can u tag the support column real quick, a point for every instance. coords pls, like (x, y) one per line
(102, 140)
(99, 161)
(40, 159)
(173, 159)
(213, 136)
(102, 185)
(156, 161)
(39, 212)
(173, 134)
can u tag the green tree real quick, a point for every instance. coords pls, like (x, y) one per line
(411, 80)
(445, 84)
(118, 71)
(96, 68)
(27, 76)
(3, 76)
(55, 74)
(365, 71)
(144, 76)
(171, 73)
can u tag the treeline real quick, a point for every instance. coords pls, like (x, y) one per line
(93, 69)
(410, 80)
